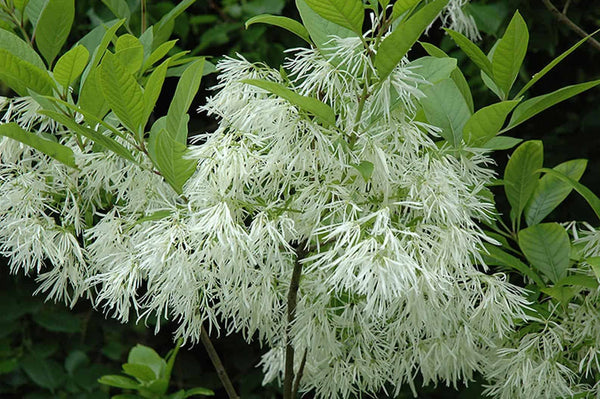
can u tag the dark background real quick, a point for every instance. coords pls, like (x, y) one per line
(50, 351)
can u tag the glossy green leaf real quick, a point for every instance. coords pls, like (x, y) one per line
(187, 87)
(53, 27)
(553, 63)
(53, 149)
(168, 156)
(472, 51)
(140, 371)
(45, 373)
(20, 48)
(320, 29)
(365, 168)
(446, 108)
(487, 122)
(521, 175)
(591, 198)
(100, 49)
(163, 28)
(288, 24)
(347, 13)
(122, 92)
(20, 75)
(97, 137)
(510, 53)
(402, 6)
(319, 109)
(152, 90)
(551, 191)
(535, 105)
(159, 53)
(546, 246)
(500, 143)
(34, 9)
(119, 381)
(71, 65)
(91, 98)
(119, 8)
(433, 69)
(130, 52)
(497, 257)
(198, 391)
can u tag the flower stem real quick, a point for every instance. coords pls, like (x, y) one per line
(292, 301)
(216, 361)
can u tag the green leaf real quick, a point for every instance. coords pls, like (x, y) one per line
(591, 198)
(122, 92)
(446, 108)
(140, 371)
(433, 69)
(20, 75)
(321, 110)
(509, 53)
(146, 356)
(496, 256)
(152, 90)
(119, 382)
(58, 321)
(130, 53)
(198, 391)
(395, 46)
(75, 360)
(472, 51)
(320, 29)
(187, 87)
(581, 280)
(97, 137)
(562, 293)
(487, 122)
(119, 8)
(53, 27)
(365, 168)
(91, 98)
(347, 13)
(163, 28)
(34, 9)
(168, 157)
(8, 365)
(20, 4)
(19, 48)
(54, 150)
(499, 143)
(283, 22)
(594, 262)
(551, 191)
(70, 66)
(546, 246)
(100, 49)
(159, 53)
(402, 6)
(553, 63)
(170, 358)
(44, 372)
(535, 105)
(521, 175)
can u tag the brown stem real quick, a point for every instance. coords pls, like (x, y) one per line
(216, 361)
(572, 25)
(299, 375)
(143, 9)
(292, 301)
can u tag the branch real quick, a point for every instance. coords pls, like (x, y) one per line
(572, 25)
(216, 361)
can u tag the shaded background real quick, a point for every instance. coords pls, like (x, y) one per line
(49, 351)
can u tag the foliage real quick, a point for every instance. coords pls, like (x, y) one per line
(342, 213)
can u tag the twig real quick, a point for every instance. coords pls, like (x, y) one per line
(566, 7)
(572, 25)
(299, 375)
(216, 361)
(292, 301)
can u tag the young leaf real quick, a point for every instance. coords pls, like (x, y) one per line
(472, 51)
(159, 53)
(187, 87)
(70, 66)
(321, 110)
(395, 46)
(152, 90)
(551, 191)
(509, 53)
(168, 156)
(445, 107)
(402, 6)
(535, 105)
(147, 356)
(365, 168)
(495, 256)
(347, 13)
(320, 29)
(139, 371)
(96, 137)
(521, 175)
(19, 48)
(552, 64)
(283, 22)
(591, 198)
(119, 381)
(54, 150)
(122, 92)
(53, 27)
(546, 246)
(20, 75)
(487, 122)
